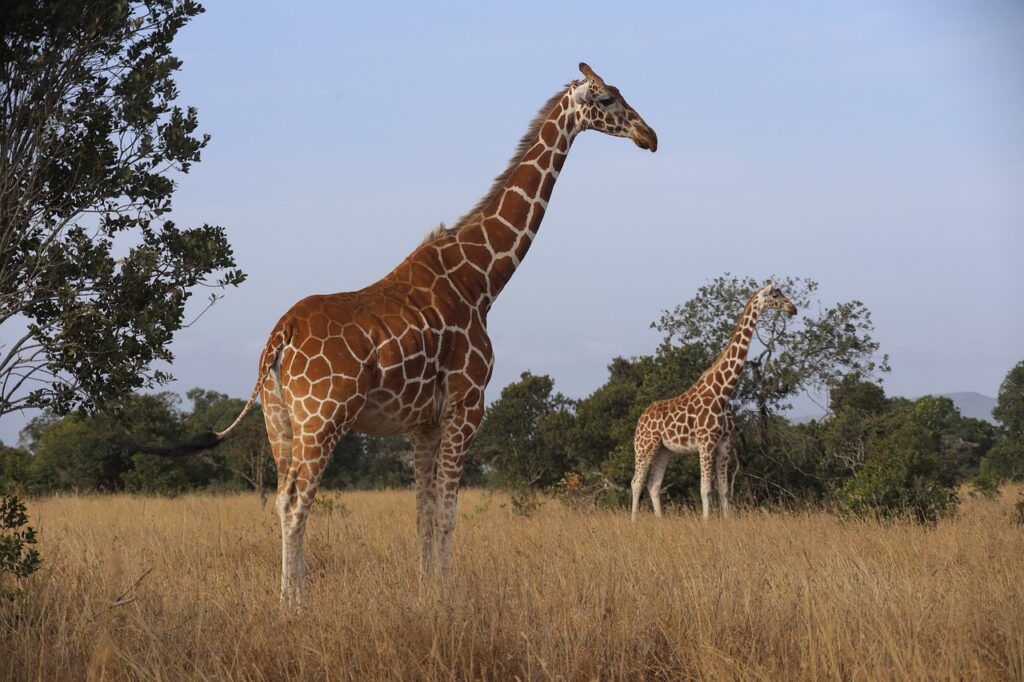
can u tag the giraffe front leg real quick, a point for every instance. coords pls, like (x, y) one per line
(706, 456)
(724, 452)
(459, 427)
(426, 444)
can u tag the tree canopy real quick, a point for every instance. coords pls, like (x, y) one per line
(94, 277)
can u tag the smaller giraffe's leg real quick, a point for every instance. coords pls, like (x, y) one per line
(724, 450)
(458, 429)
(658, 467)
(706, 459)
(425, 444)
(644, 450)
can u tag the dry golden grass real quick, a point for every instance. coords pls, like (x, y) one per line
(560, 595)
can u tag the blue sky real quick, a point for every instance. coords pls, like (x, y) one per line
(876, 147)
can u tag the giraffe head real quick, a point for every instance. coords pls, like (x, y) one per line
(771, 297)
(601, 107)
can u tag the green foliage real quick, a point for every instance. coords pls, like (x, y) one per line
(1005, 460)
(94, 280)
(242, 461)
(362, 462)
(854, 395)
(1003, 463)
(14, 468)
(816, 349)
(1009, 408)
(525, 435)
(17, 556)
(155, 475)
(87, 452)
(905, 479)
(328, 504)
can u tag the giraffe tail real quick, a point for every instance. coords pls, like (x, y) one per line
(208, 439)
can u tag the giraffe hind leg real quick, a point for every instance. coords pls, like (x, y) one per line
(425, 444)
(722, 464)
(278, 421)
(313, 442)
(658, 467)
(644, 452)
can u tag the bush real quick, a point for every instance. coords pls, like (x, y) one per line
(155, 475)
(901, 483)
(1003, 463)
(16, 554)
(905, 475)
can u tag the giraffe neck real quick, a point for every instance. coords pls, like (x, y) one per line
(498, 232)
(725, 371)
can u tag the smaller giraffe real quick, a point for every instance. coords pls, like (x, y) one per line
(700, 420)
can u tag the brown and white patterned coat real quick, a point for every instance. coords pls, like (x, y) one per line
(410, 354)
(700, 420)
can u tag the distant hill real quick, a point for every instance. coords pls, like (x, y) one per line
(973, 404)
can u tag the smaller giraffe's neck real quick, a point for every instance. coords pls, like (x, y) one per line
(724, 373)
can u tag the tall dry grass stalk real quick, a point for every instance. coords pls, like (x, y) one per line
(560, 595)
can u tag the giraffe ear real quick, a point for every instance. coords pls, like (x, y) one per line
(591, 76)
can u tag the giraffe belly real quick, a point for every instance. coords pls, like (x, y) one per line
(385, 414)
(681, 447)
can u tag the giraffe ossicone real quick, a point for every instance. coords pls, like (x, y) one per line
(700, 420)
(410, 354)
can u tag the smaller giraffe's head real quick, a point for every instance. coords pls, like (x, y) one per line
(771, 296)
(601, 107)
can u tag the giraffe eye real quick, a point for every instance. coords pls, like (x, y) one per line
(605, 101)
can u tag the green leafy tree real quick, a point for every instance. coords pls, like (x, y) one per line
(1003, 463)
(155, 475)
(88, 452)
(1009, 409)
(814, 350)
(94, 279)
(524, 433)
(854, 394)
(774, 461)
(907, 478)
(244, 459)
(1005, 460)
(13, 468)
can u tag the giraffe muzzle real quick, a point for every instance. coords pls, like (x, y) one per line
(790, 308)
(645, 138)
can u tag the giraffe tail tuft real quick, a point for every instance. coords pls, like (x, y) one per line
(209, 439)
(204, 441)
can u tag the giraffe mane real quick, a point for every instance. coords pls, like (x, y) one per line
(434, 234)
(527, 141)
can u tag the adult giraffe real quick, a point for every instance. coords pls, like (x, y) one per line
(699, 421)
(409, 354)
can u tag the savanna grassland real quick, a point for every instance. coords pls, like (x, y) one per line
(562, 594)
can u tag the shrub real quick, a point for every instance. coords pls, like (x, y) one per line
(1003, 463)
(157, 475)
(905, 480)
(16, 554)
